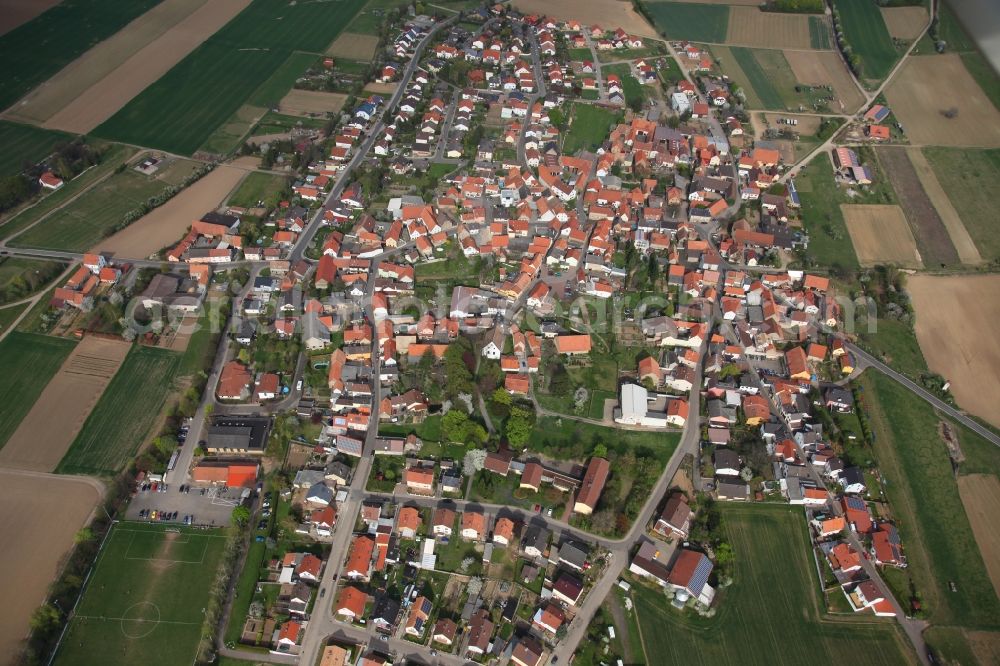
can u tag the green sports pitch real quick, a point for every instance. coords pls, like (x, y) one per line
(144, 602)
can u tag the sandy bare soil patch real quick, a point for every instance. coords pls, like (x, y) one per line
(981, 498)
(881, 235)
(58, 92)
(311, 102)
(960, 238)
(382, 88)
(18, 12)
(47, 431)
(905, 22)
(605, 13)
(106, 97)
(926, 88)
(825, 68)
(985, 645)
(748, 26)
(956, 320)
(168, 223)
(354, 46)
(38, 517)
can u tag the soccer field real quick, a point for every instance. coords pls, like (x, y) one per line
(145, 599)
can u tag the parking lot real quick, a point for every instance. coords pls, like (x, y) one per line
(208, 506)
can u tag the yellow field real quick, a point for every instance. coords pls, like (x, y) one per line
(310, 102)
(748, 26)
(929, 86)
(981, 498)
(354, 46)
(605, 13)
(955, 319)
(881, 235)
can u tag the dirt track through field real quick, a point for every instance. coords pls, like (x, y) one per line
(748, 26)
(817, 68)
(47, 431)
(166, 225)
(307, 102)
(14, 13)
(39, 516)
(981, 498)
(956, 318)
(881, 235)
(608, 14)
(105, 98)
(73, 80)
(929, 87)
(960, 238)
(904, 22)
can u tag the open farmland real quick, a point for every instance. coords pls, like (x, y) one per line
(186, 105)
(166, 225)
(969, 179)
(905, 23)
(682, 20)
(866, 32)
(880, 235)
(590, 12)
(122, 419)
(825, 68)
(771, 613)
(589, 127)
(930, 86)
(748, 26)
(60, 90)
(821, 199)
(41, 441)
(27, 362)
(257, 187)
(103, 99)
(41, 47)
(311, 102)
(97, 212)
(952, 221)
(981, 498)
(353, 45)
(764, 74)
(953, 313)
(14, 13)
(143, 602)
(23, 145)
(937, 537)
(39, 516)
(933, 240)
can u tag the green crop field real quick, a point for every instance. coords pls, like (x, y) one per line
(24, 145)
(770, 614)
(94, 215)
(257, 187)
(371, 19)
(686, 20)
(922, 490)
(866, 32)
(186, 105)
(27, 363)
(41, 47)
(590, 127)
(123, 416)
(969, 177)
(764, 82)
(144, 601)
(829, 241)
(765, 76)
(819, 33)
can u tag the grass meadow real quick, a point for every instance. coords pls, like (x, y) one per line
(25, 145)
(686, 20)
(589, 128)
(27, 363)
(181, 110)
(969, 177)
(125, 413)
(36, 50)
(143, 602)
(923, 493)
(770, 614)
(866, 32)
